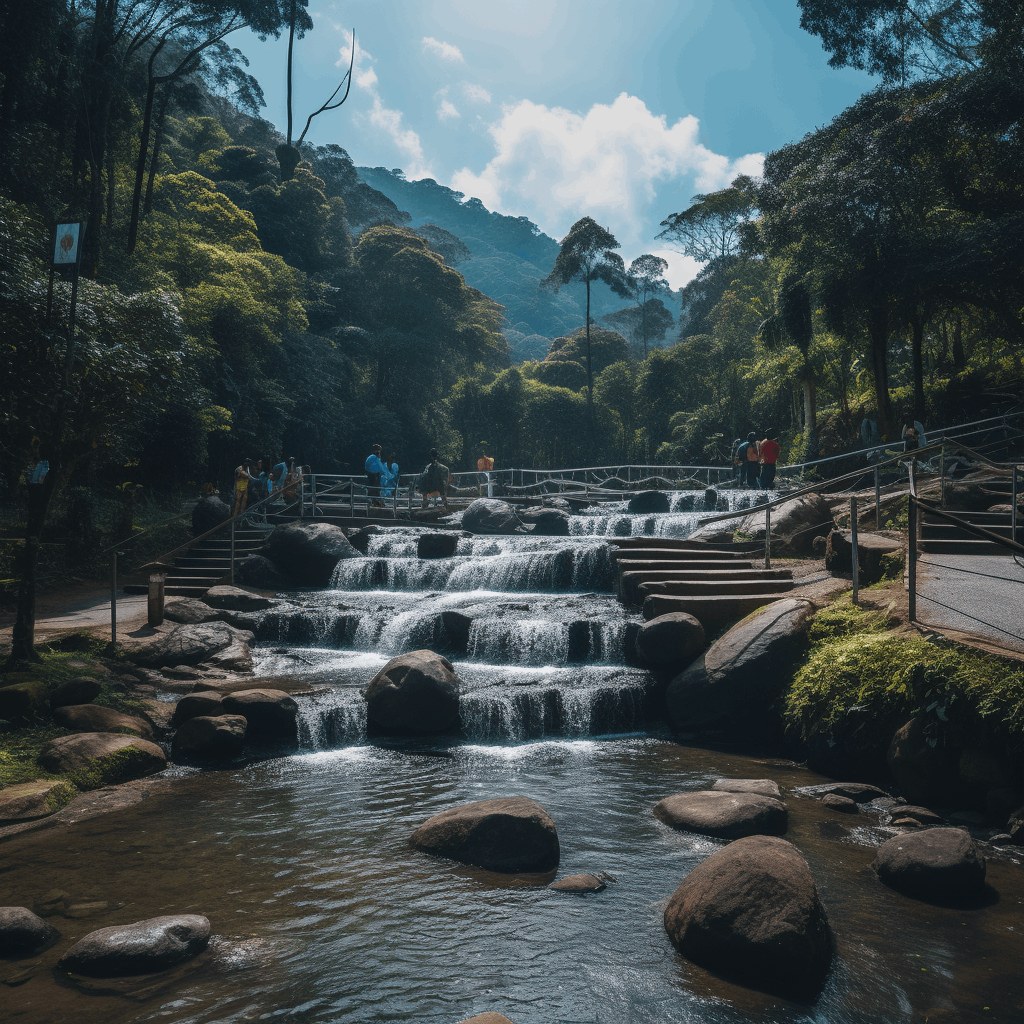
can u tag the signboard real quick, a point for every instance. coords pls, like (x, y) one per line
(67, 247)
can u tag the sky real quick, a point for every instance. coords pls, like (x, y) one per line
(560, 109)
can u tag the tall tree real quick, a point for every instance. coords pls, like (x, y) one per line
(588, 255)
(647, 276)
(711, 227)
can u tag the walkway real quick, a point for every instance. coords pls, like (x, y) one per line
(982, 595)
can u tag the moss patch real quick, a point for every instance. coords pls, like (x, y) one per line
(20, 750)
(121, 766)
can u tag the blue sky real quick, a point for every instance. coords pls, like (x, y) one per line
(558, 109)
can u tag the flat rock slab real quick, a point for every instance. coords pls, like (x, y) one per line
(29, 801)
(840, 803)
(922, 815)
(189, 644)
(94, 759)
(763, 787)
(510, 835)
(189, 610)
(932, 863)
(859, 792)
(723, 815)
(582, 883)
(140, 948)
(94, 718)
(236, 599)
(23, 933)
(752, 911)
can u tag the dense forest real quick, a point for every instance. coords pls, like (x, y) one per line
(235, 302)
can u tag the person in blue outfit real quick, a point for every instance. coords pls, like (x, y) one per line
(374, 471)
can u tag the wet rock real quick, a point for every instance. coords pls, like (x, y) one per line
(924, 774)
(840, 803)
(206, 739)
(752, 912)
(272, 715)
(734, 687)
(859, 792)
(360, 539)
(645, 502)
(28, 801)
(898, 822)
(583, 883)
(932, 863)
(95, 759)
(189, 644)
(237, 656)
(192, 705)
(456, 629)
(488, 515)
(723, 815)
(93, 718)
(486, 1018)
(510, 835)
(763, 787)
(208, 514)
(710, 498)
(189, 610)
(22, 933)
(415, 693)
(560, 503)
(675, 638)
(546, 522)
(1015, 826)
(20, 702)
(922, 815)
(140, 948)
(307, 553)
(83, 690)
(871, 548)
(437, 544)
(260, 572)
(237, 600)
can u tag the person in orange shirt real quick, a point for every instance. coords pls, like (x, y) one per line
(484, 466)
(769, 450)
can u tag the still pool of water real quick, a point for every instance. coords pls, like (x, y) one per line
(323, 913)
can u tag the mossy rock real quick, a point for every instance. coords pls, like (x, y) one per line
(94, 759)
(30, 800)
(23, 701)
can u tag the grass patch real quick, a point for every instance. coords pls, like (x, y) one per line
(19, 752)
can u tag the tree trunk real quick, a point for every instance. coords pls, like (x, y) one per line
(140, 166)
(878, 332)
(110, 188)
(917, 348)
(959, 360)
(147, 206)
(810, 405)
(24, 638)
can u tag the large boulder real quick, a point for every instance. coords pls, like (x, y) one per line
(208, 739)
(795, 524)
(196, 703)
(935, 863)
(724, 815)
(510, 835)
(871, 549)
(140, 948)
(645, 502)
(307, 553)
(189, 644)
(675, 638)
(272, 715)
(189, 610)
(735, 686)
(437, 544)
(208, 514)
(23, 933)
(752, 912)
(415, 693)
(94, 718)
(237, 600)
(21, 702)
(94, 759)
(81, 690)
(546, 522)
(488, 515)
(27, 801)
(260, 572)
(924, 773)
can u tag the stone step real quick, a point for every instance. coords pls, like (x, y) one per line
(629, 581)
(714, 588)
(962, 547)
(950, 531)
(676, 555)
(666, 543)
(712, 612)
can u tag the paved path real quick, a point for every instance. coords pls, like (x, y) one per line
(973, 594)
(93, 615)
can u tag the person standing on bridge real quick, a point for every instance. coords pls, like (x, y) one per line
(769, 450)
(751, 461)
(484, 465)
(434, 479)
(374, 471)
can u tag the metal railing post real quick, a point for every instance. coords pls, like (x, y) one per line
(1013, 504)
(912, 557)
(878, 498)
(942, 479)
(853, 546)
(232, 573)
(352, 499)
(113, 597)
(768, 538)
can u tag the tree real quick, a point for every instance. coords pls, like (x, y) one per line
(588, 255)
(647, 276)
(711, 227)
(642, 324)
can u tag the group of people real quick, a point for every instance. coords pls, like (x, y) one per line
(382, 478)
(754, 461)
(263, 478)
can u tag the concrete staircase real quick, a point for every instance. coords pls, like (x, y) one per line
(205, 564)
(716, 586)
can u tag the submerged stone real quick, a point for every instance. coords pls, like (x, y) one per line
(140, 948)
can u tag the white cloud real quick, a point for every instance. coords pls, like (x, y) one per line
(475, 93)
(448, 111)
(606, 164)
(446, 51)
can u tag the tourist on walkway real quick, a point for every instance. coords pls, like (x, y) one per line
(292, 480)
(389, 478)
(374, 470)
(433, 481)
(751, 461)
(277, 477)
(243, 478)
(769, 449)
(484, 466)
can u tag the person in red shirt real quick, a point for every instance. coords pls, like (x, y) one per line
(769, 449)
